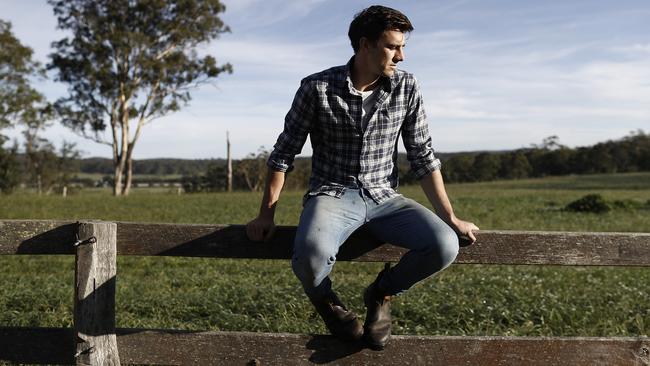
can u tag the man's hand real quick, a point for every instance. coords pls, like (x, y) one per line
(260, 228)
(434, 187)
(465, 231)
(263, 227)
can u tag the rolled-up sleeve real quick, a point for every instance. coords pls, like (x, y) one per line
(416, 137)
(297, 125)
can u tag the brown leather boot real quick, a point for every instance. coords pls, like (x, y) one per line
(341, 322)
(377, 326)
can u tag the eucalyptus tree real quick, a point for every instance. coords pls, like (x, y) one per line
(20, 103)
(129, 62)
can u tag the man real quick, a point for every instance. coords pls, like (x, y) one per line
(354, 115)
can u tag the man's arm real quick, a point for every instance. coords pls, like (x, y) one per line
(434, 187)
(263, 226)
(297, 124)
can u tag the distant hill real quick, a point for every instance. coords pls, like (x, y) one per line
(170, 166)
(162, 166)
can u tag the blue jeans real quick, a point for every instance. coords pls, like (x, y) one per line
(326, 222)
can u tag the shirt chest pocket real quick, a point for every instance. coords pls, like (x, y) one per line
(339, 116)
(390, 118)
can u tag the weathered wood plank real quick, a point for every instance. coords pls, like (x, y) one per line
(37, 237)
(94, 301)
(492, 247)
(241, 348)
(229, 241)
(55, 346)
(564, 248)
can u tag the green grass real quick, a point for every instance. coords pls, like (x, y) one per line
(256, 295)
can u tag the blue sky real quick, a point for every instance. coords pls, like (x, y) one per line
(495, 74)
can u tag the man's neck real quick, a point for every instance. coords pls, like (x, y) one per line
(363, 80)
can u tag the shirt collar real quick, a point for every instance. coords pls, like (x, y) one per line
(389, 83)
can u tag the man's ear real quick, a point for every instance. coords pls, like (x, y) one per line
(364, 43)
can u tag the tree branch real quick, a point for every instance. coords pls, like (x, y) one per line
(95, 138)
(114, 128)
(141, 120)
(166, 51)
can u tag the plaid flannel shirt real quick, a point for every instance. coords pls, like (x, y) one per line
(349, 152)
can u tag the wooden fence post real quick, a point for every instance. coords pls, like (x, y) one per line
(94, 302)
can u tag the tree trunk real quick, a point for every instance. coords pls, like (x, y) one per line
(129, 174)
(39, 184)
(122, 126)
(229, 172)
(117, 178)
(130, 145)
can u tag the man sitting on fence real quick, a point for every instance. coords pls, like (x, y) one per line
(355, 114)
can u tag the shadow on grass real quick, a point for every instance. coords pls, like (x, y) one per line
(37, 345)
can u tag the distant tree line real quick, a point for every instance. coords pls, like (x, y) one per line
(56, 168)
(151, 166)
(43, 169)
(629, 154)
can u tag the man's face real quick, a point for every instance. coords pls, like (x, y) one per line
(384, 55)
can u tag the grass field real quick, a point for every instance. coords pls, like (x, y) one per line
(256, 295)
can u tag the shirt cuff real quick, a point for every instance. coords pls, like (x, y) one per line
(280, 165)
(426, 168)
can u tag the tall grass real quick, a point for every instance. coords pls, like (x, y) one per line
(263, 295)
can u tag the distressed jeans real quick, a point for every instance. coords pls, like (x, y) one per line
(326, 222)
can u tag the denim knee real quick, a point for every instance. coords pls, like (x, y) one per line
(312, 264)
(443, 249)
(448, 246)
(449, 250)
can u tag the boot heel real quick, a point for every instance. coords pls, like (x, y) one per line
(377, 327)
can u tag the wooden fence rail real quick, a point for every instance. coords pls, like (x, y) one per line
(94, 339)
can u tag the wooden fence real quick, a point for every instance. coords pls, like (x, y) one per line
(95, 340)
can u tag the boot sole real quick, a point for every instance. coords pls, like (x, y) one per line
(374, 345)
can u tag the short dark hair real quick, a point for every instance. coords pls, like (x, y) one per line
(373, 21)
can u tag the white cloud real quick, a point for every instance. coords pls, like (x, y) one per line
(248, 14)
(273, 56)
(622, 81)
(460, 104)
(634, 50)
